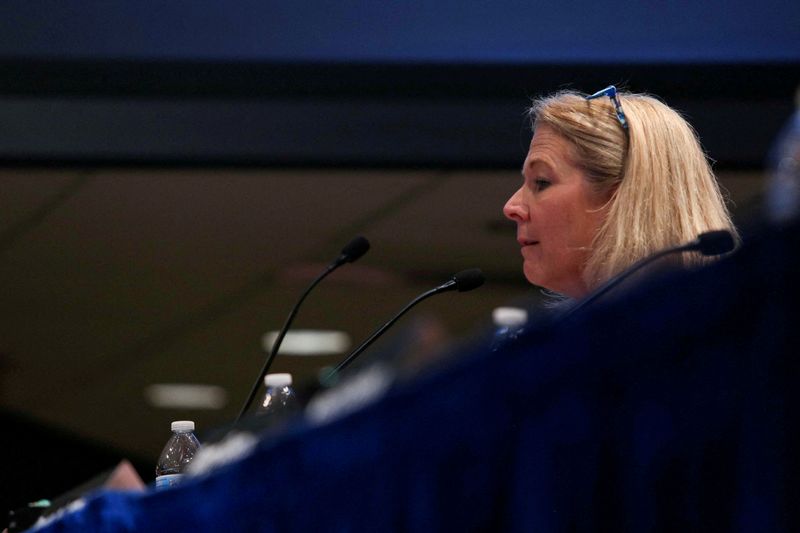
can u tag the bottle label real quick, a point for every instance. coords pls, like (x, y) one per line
(168, 480)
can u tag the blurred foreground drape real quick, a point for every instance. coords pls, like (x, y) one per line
(673, 408)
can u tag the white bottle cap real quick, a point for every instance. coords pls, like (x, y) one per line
(183, 425)
(509, 316)
(278, 380)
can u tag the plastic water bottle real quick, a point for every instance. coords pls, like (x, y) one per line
(509, 323)
(177, 454)
(280, 401)
(783, 189)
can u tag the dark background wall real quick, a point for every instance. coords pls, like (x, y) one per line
(344, 83)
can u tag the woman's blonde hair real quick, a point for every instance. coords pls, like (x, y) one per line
(661, 187)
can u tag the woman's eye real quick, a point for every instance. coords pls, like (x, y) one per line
(541, 184)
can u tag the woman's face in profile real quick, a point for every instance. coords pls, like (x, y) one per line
(557, 215)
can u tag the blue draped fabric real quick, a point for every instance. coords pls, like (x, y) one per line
(672, 408)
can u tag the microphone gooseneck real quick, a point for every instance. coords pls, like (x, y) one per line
(351, 252)
(709, 244)
(463, 281)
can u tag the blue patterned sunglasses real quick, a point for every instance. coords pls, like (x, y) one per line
(611, 92)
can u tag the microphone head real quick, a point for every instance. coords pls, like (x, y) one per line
(354, 249)
(469, 279)
(715, 242)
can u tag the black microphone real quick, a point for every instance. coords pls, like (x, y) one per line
(713, 243)
(710, 243)
(464, 281)
(351, 252)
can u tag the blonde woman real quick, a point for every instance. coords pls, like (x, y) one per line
(609, 179)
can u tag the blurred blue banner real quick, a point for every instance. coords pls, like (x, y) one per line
(450, 31)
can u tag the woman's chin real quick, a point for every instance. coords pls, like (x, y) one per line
(571, 288)
(536, 278)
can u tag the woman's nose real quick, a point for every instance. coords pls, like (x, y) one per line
(514, 208)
